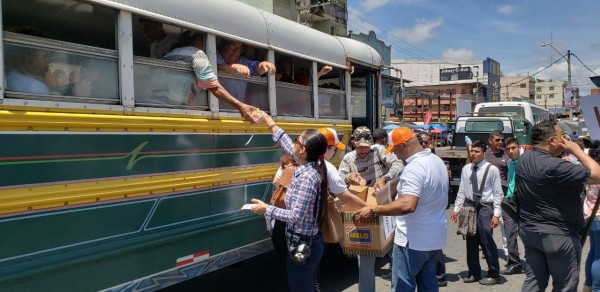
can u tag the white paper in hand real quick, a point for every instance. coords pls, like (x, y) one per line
(248, 207)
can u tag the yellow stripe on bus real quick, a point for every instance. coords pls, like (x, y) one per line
(25, 119)
(69, 194)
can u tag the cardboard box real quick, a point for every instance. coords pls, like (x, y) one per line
(372, 238)
(361, 191)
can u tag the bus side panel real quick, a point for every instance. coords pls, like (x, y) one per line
(32, 158)
(99, 247)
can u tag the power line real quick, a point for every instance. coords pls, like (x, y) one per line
(394, 36)
(584, 64)
(531, 75)
(402, 50)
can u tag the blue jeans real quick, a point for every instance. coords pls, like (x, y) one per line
(413, 268)
(302, 277)
(592, 264)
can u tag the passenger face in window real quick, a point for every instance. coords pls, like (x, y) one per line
(153, 30)
(231, 51)
(40, 62)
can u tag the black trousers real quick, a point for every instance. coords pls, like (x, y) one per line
(512, 232)
(553, 255)
(484, 239)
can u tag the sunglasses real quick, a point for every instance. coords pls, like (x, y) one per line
(498, 140)
(425, 142)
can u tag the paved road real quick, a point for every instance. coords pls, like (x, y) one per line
(340, 273)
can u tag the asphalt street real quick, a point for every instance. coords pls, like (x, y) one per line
(340, 273)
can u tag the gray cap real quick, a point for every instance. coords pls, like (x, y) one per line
(362, 137)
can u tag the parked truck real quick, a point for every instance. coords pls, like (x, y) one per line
(478, 128)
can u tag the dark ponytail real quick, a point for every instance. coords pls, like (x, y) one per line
(315, 145)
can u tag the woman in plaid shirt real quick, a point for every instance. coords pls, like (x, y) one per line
(306, 196)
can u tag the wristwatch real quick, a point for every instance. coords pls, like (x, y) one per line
(372, 213)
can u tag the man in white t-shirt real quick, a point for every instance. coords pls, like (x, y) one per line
(422, 199)
(162, 42)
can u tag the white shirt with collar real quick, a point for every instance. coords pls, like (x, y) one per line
(492, 189)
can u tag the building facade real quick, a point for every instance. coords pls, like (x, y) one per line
(518, 88)
(328, 16)
(437, 85)
(550, 94)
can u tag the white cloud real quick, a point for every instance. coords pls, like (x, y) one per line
(356, 23)
(458, 55)
(506, 9)
(422, 31)
(369, 5)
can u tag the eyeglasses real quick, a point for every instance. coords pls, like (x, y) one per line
(297, 141)
(235, 48)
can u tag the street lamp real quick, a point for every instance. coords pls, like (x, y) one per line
(568, 59)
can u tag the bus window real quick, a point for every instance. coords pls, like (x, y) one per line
(64, 20)
(332, 94)
(163, 73)
(234, 58)
(54, 56)
(294, 93)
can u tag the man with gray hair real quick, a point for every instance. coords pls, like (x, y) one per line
(370, 164)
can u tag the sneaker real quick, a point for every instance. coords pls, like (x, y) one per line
(471, 279)
(488, 281)
(442, 283)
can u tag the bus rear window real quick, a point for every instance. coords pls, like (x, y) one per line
(504, 111)
(483, 126)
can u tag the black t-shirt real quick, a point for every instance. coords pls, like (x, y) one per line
(549, 189)
(499, 160)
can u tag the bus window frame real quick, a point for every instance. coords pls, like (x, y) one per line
(163, 64)
(297, 87)
(335, 92)
(21, 40)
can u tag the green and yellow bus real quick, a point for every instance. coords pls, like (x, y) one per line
(111, 177)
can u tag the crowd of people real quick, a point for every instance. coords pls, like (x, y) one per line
(546, 182)
(555, 186)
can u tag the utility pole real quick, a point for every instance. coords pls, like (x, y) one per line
(569, 66)
(568, 70)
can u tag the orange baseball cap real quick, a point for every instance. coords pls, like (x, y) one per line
(332, 138)
(398, 136)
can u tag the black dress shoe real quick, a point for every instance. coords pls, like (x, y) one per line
(488, 281)
(442, 283)
(387, 277)
(511, 270)
(471, 279)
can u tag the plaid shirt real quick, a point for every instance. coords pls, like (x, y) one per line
(301, 194)
(373, 167)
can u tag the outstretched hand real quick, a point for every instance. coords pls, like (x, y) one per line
(246, 110)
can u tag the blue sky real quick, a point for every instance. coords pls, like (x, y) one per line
(509, 32)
